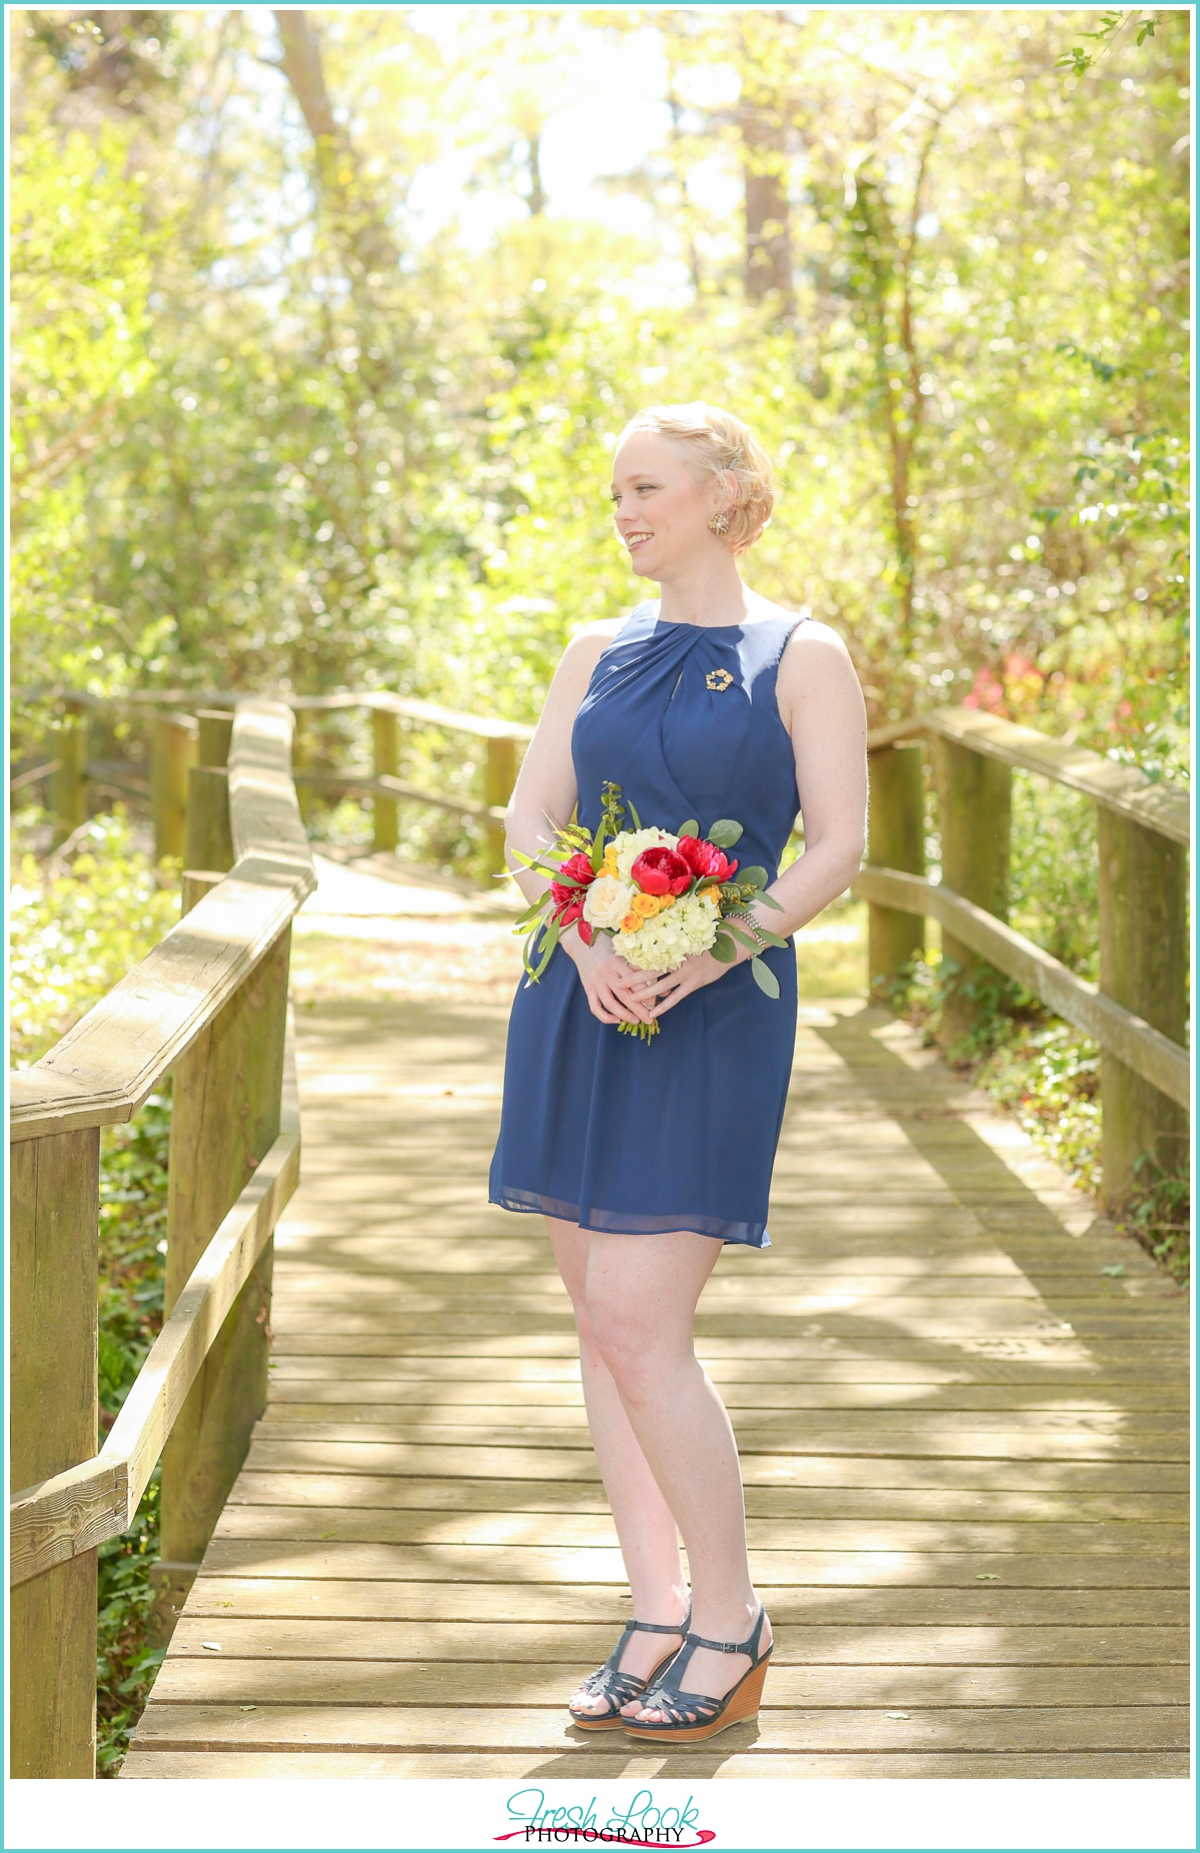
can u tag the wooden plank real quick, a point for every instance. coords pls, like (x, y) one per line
(563, 1530)
(282, 1454)
(977, 1605)
(1026, 1442)
(996, 1728)
(213, 1679)
(352, 1491)
(284, 1640)
(397, 1391)
(1144, 1049)
(591, 1759)
(389, 789)
(947, 1569)
(101, 1072)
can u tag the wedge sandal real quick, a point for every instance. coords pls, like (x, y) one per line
(689, 1716)
(608, 1682)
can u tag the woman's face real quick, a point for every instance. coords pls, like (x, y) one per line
(661, 511)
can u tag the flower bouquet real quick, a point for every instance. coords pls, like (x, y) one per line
(660, 896)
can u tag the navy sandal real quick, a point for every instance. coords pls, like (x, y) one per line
(608, 1682)
(688, 1716)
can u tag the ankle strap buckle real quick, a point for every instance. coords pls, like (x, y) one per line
(729, 1647)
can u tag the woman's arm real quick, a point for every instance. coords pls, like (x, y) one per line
(543, 799)
(821, 705)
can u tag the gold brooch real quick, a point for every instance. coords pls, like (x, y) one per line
(718, 680)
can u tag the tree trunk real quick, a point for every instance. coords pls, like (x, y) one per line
(768, 226)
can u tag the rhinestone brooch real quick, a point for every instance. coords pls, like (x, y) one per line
(718, 680)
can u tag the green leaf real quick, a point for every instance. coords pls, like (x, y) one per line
(549, 942)
(725, 833)
(690, 828)
(743, 939)
(772, 939)
(753, 877)
(770, 901)
(598, 851)
(724, 949)
(765, 978)
(631, 807)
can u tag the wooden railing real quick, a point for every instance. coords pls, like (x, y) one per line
(1139, 1011)
(174, 743)
(209, 1006)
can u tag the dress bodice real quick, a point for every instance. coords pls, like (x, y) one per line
(684, 718)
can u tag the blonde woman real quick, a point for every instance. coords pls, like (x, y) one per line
(645, 1158)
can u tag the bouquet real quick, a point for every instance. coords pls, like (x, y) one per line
(660, 896)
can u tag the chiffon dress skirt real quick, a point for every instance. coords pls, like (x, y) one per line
(603, 1129)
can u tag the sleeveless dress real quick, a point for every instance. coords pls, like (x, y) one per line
(679, 1133)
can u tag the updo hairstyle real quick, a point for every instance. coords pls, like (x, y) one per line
(715, 442)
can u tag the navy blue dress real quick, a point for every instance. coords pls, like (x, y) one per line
(601, 1128)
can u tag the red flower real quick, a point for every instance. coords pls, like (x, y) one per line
(661, 871)
(704, 858)
(568, 895)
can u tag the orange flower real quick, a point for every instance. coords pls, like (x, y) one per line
(631, 923)
(647, 905)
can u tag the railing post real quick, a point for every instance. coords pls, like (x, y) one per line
(53, 1243)
(975, 817)
(209, 839)
(386, 831)
(500, 777)
(1143, 965)
(68, 781)
(897, 841)
(225, 1116)
(302, 756)
(173, 751)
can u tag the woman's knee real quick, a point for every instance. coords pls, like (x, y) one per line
(632, 1351)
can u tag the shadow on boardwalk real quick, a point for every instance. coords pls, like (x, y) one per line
(964, 1450)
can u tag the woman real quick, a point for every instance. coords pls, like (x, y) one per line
(645, 1157)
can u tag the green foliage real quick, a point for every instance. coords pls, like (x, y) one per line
(125, 1664)
(78, 921)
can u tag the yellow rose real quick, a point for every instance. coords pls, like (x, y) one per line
(646, 905)
(665, 901)
(609, 865)
(631, 923)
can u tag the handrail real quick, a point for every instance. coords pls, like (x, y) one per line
(1157, 806)
(104, 1068)
(381, 701)
(1165, 1064)
(74, 1511)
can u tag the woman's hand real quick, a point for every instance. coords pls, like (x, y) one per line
(616, 991)
(660, 991)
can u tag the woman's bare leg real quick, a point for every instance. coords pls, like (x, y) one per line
(646, 1529)
(641, 1293)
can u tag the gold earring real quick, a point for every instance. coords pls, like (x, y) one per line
(719, 524)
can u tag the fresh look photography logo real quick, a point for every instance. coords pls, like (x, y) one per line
(641, 1823)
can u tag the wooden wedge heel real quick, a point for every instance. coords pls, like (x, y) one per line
(689, 1716)
(608, 1682)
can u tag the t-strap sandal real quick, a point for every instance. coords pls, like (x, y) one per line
(608, 1682)
(688, 1716)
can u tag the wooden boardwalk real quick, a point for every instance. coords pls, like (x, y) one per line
(964, 1448)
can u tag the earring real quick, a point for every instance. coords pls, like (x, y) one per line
(719, 524)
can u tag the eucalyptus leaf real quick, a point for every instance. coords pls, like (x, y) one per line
(725, 833)
(772, 939)
(753, 876)
(764, 978)
(690, 828)
(743, 939)
(723, 949)
(769, 900)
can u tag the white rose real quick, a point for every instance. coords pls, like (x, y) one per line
(607, 901)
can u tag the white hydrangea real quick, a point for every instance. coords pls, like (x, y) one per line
(629, 845)
(663, 942)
